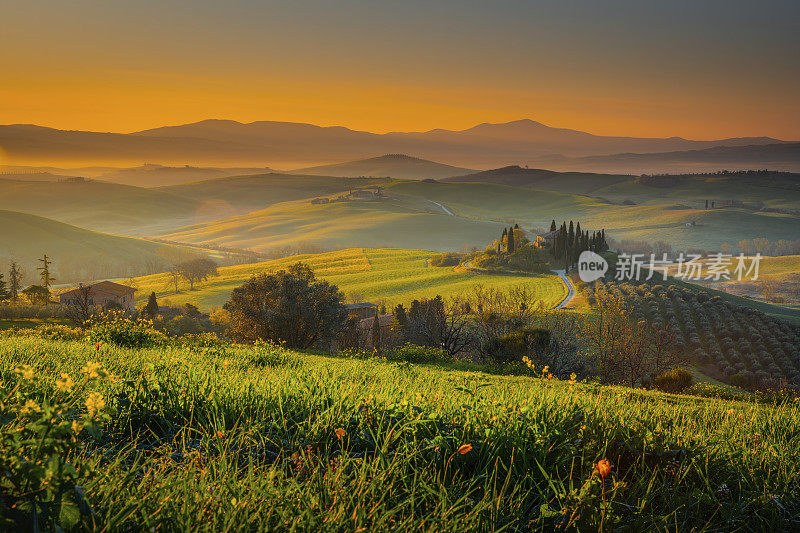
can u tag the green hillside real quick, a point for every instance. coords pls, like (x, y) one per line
(389, 275)
(102, 206)
(642, 222)
(79, 254)
(546, 180)
(414, 214)
(251, 193)
(772, 191)
(387, 223)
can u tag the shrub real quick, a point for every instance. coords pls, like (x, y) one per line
(39, 460)
(115, 328)
(290, 306)
(446, 259)
(412, 353)
(674, 381)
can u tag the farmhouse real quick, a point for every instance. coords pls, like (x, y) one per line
(361, 310)
(102, 294)
(545, 240)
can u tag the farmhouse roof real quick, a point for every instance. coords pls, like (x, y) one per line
(108, 287)
(360, 305)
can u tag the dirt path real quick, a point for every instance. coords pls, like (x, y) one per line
(570, 289)
(443, 208)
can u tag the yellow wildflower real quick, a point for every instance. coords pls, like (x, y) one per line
(93, 370)
(77, 427)
(65, 384)
(464, 448)
(95, 403)
(573, 377)
(25, 371)
(340, 433)
(30, 407)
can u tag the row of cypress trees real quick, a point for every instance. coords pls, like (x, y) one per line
(571, 240)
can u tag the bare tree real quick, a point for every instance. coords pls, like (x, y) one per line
(626, 351)
(80, 308)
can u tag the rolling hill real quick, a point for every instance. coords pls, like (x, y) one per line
(549, 180)
(412, 223)
(159, 176)
(448, 216)
(242, 194)
(398, 166)
(79, 254)
(103, 206)
(389, 276)
(226, 142)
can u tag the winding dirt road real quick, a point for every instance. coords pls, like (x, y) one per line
(570, 289)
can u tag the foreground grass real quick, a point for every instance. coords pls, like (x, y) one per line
(232, 438)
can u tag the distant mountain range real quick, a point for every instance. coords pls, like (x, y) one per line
(783, 156)
(295, 145)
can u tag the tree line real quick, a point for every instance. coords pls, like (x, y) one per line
(570, 241)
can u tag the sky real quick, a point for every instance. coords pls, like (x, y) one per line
(700, 69)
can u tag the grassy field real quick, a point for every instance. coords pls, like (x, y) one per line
(378, 275)
(231, 438)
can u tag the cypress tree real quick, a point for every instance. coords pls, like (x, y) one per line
(511, 244)
(401, 317)
(151, 309)
(3, 290)
(553, 225)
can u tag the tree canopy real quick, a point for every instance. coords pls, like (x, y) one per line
(289, 306)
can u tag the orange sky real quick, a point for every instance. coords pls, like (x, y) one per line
(113, 66)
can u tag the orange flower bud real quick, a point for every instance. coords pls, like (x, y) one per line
(604, 467)
(464, 448)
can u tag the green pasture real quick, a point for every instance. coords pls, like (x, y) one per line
(381, 275)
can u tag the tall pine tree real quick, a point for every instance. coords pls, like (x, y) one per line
(44, 272)
(14, 281)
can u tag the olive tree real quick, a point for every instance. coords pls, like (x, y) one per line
(290, 306)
